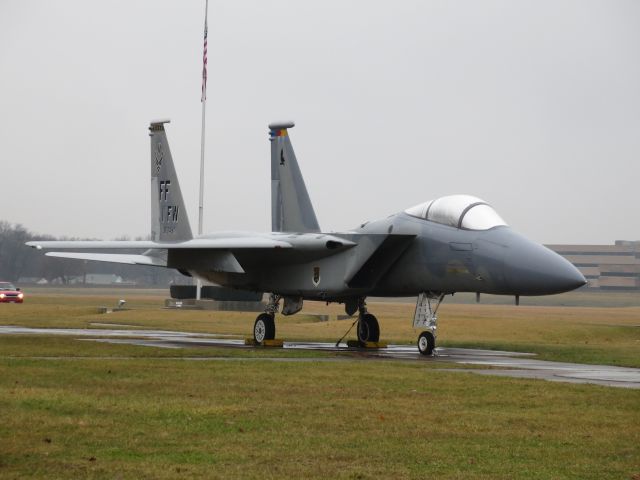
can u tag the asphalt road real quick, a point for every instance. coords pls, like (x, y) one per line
(509, 364)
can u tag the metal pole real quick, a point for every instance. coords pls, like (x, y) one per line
(204, 107)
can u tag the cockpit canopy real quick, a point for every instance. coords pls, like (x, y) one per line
(460, 211)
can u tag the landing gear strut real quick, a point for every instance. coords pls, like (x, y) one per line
(368, 328)
(265, 326)
(426, 317)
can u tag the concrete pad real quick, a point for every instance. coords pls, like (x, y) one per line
(506, 364)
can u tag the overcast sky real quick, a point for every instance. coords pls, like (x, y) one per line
(533, 106)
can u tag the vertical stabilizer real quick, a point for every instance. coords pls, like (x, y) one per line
(291, 209)
(169, 221)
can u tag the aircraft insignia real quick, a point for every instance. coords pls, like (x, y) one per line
(159, 157)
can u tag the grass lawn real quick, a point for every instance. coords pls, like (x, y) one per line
(153, 418)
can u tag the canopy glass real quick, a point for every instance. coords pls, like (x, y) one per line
(460, 211)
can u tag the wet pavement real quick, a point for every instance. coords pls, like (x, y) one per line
(508, 364)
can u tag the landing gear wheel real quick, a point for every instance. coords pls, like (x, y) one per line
(264, 328)
(426, 343)
(368, 328)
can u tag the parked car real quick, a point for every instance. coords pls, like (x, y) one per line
(9, 293)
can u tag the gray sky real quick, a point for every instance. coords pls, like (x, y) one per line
(533, 106)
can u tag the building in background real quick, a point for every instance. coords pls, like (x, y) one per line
(606, 267)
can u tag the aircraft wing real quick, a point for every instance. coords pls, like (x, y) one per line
(233, 252)
(217, 254)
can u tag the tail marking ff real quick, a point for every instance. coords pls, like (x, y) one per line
(169, 221)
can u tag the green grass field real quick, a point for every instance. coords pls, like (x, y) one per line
(77, 409)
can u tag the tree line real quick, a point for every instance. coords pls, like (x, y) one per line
(17, 261)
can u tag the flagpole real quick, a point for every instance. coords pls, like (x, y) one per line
(204, 107)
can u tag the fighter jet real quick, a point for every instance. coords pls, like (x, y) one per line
(456, 243)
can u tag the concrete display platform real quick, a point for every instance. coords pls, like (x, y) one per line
(509, 364)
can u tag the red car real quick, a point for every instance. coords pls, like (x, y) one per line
(9, 293)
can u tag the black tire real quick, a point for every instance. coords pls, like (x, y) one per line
(368, 328)
(426, 343)
(264, 328)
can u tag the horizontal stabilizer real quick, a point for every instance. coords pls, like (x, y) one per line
(217, 261)
(112, 258)
(196, 243)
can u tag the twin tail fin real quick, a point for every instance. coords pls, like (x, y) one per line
(291, 208)
(169, 220)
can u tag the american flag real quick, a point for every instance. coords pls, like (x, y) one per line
(204, 63)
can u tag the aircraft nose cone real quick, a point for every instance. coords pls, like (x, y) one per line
(531, 269)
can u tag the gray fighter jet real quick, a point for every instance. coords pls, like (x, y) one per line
(456, 243)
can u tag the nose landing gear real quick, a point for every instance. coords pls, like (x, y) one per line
(426, 317)
(426, 343)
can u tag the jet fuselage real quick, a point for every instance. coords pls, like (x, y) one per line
(430, 257)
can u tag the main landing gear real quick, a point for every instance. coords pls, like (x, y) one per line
(368, 327)
(426, 317)
(265, 326)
